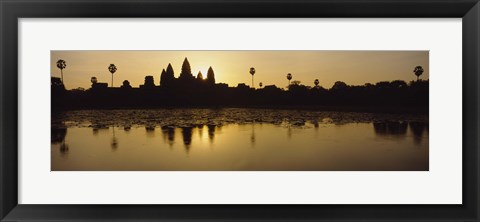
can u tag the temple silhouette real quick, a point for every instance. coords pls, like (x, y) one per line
(188, 90)
(389, 129)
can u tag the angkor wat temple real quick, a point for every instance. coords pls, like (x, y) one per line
(167, 79)
(188, 90)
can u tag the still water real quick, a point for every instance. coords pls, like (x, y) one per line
(237, 139)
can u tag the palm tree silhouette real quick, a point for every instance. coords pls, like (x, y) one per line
(418, 71)
(289, 77)
(252, 72)
(112, 68)
(316, 82)
(61, 65)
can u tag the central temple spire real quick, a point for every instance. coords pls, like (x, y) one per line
(186, 70)
(211, 76)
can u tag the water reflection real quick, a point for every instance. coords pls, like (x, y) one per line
(99, 129)
(169, 134)
(187, 136)
(64, 148)
(200, 130)
(289, 132)
(314, 144)
(252, 137)
(418, 129)
(399, 129)
(58, 135)
(211, 132)
(114, 143)
(390, 128)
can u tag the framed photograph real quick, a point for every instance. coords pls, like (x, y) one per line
(239, 110)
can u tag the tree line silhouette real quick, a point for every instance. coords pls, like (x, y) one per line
(188, 90)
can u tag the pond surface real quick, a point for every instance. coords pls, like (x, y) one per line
(237, 139)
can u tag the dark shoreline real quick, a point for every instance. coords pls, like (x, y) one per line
(358, 109)
(383, 97)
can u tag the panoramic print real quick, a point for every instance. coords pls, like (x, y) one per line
(274, 110)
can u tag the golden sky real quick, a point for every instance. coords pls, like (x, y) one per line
(232, 67)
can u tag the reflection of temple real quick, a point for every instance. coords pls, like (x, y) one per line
(169, 133)
(150, 131)
(187, 136)
(390, 128)
(211, 132)
(200, 130)
(398, 128)
(418, 128)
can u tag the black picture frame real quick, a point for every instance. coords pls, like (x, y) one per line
(11, 11)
